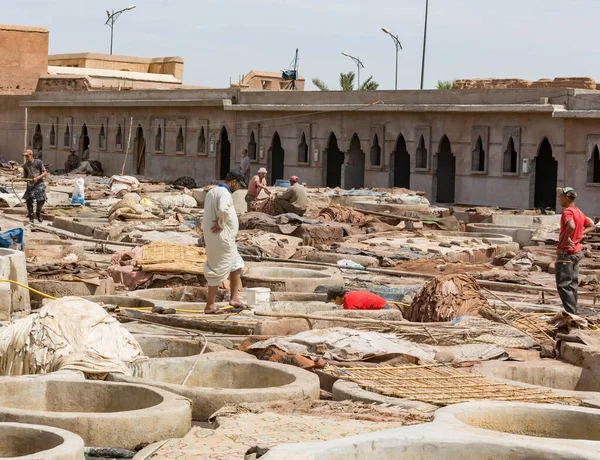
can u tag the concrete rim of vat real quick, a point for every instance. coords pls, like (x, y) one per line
(490, 369)
(161, 414)
(207, 400)
(56, 444)
(525, 420)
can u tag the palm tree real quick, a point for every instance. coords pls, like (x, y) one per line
(445, 84)
(347, 83)
(320, 84)
(369, 85)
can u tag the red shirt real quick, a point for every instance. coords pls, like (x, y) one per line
(571, 213)
(362, 300)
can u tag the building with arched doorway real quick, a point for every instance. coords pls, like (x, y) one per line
(507, 148)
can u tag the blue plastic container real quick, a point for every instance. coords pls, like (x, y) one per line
(282, 183)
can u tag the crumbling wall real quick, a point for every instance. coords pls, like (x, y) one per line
(517, 83)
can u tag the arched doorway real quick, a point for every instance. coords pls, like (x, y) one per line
(38, 142)
(334, 160)
(224, 154)
(354, 172)
(401, 164)
(446, 172)
(276, 159)
(546, 177)
(84, 144)
(140, 151)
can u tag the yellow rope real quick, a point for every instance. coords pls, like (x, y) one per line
(31, 289)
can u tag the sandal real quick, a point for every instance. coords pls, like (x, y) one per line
(215, 312)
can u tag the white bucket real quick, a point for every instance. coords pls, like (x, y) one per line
(256, 296)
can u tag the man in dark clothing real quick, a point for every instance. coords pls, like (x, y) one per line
(35, 171)
(573, 225)
(72, 161)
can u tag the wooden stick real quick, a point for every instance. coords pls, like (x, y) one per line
(519, 313)
(128, 142)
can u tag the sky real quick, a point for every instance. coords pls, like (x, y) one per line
(220, 40)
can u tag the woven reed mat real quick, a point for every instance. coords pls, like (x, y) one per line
(528, 323)
(172, 258)
(442, 385)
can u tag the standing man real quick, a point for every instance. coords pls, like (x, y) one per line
(35, 171)
(257, 183)
(573, 225)
(294, 199)
(245, 166)
(220, 226)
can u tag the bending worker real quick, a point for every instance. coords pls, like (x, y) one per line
(573, 225)
(355, 300)
(294, 199)
(35, 171)
(257, 183)
(220, 226)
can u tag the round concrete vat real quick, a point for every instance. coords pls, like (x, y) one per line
(565, 379)
(578, 425)
(520, 235)
(295, 307)
(28, 442)
(290, 277)
(103, 414)
(215, 383)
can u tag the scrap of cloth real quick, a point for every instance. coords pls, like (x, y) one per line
(221, 251)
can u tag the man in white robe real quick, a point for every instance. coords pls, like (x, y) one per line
(220, 227)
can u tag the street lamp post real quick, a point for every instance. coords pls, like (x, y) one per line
(424, 43)
(112, 17)
(358, 63)
(398, 48)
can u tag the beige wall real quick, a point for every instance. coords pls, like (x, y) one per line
(23, 58)
(165, 66)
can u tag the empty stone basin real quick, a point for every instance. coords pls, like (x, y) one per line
(103, 414)
(215, 383)
(290, 277)
(155, 346)
(534, 420)
(21, 441)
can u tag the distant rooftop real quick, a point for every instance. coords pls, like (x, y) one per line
(114, 74)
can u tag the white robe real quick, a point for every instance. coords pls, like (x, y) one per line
(221, 251)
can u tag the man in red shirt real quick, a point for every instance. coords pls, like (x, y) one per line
(573, 225)
(355, 300)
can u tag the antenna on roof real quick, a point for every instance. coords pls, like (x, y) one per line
(291, 74)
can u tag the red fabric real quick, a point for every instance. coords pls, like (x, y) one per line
(362, 300)
(571, 213)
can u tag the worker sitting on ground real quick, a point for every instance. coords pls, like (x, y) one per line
(72, 161)
(355, 300)
(294, 199)
(573, 225)
(257, 183)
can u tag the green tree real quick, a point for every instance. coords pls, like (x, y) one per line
(445, 84)
(369, 85)
(320, 84)
(347, 83)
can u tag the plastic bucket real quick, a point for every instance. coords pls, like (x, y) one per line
(259, 295)
(282, 183)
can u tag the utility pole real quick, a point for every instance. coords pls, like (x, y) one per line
(424, 43)
(398, 48)
(110, 22)
(359, 64)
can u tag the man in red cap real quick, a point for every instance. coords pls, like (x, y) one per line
(573, 225)
(294, 199)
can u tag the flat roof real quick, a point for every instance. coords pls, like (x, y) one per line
(113, 57)
(41, 30)
(113, 74)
